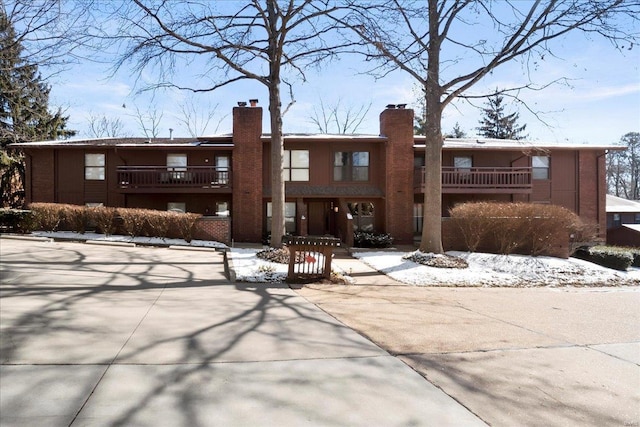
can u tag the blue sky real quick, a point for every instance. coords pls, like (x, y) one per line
(601, 103)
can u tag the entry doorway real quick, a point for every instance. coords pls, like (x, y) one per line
(322, 218)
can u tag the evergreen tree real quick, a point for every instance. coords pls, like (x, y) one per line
(498, 125)
(456, 132)
(24, 112)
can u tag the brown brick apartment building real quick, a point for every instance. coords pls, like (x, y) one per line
(334, 183)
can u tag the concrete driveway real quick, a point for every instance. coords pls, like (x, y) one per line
(514, 357)
(94, 335)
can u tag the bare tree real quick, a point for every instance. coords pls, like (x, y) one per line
(149, 121)
(623, 168)
(49, 31)
(339, 119)
(266, 41)
(103, 126)
(441, 44)
(196, 120)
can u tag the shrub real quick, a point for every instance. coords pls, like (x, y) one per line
(549, 221)
(473, 226)
(75, 218)
(104, 219)
(607, 256)
(133, 221)
(363, 239)
(46, 216)
(436, 260)
(582, 233)
(509, 227)
(16, 220)
(159, 223)
(186, 224)
(635, 252)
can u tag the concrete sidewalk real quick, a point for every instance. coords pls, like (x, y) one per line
(105, 335)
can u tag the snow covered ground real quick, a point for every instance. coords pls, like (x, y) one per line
(500, 270)
(483, 270)
(152, 241)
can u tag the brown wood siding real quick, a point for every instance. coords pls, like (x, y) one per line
(42, 172)
(321, 165)
(592, 188)
(563, 171)
(70, 176)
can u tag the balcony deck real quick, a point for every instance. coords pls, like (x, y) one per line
(158, 179)
(502, 180)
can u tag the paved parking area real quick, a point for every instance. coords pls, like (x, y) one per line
(514, 357)
(95, 335)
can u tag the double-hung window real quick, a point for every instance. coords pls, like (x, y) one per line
(289, 216)
(222, 170)
(540, 166)
(462, 165)
(177, 165)
(351, 166)
(295, 165)
(94, 165)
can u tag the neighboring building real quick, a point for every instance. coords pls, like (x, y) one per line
(623, 221)
(334, 183)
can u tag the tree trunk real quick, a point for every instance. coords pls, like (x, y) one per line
(432, 221)
(277, 143)
(277, 183)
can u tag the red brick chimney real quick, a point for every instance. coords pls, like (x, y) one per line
(247, 186)
(396, 123)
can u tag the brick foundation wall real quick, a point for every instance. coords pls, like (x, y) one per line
(214, 228)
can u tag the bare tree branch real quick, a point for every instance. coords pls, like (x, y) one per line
(271, 42)
(449, 46)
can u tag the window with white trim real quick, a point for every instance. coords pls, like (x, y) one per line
(540, 167)
(94, 166)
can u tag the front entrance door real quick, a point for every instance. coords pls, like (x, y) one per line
(318, 218)
(322, 218)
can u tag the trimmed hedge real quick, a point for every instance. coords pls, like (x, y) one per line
(362, 239)
(608, 256)
(532, 229)
(108, 220)
(16, 220)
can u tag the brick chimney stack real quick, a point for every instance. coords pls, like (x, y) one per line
(396, 123)
(247, 186)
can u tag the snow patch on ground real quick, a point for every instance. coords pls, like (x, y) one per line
(500, 270)
(152, 241)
